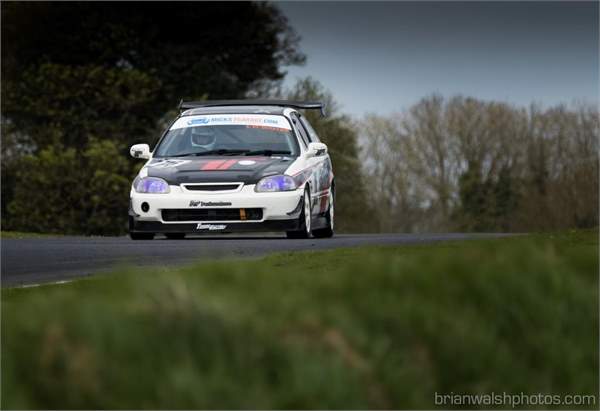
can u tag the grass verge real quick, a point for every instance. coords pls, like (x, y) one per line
(377, 327)
(19, 234)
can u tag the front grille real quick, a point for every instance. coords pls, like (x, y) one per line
(212, 214)
(211, 187)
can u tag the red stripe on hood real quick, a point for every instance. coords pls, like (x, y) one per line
(227, 164)
(212, 165)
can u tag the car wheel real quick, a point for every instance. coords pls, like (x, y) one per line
(175, 236)
(141, 236)
(327, 232)
(304, 219)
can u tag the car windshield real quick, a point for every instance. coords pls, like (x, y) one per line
(237, 134)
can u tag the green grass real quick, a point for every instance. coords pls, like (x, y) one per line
(19, 234)
(379, 327)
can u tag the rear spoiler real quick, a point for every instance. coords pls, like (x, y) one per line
(306, 105)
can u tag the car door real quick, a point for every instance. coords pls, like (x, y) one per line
(322, 175)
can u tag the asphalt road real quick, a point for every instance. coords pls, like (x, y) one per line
(38, 260)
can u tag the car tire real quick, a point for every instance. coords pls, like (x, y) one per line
(327, 232)
(304, 223)
(175, 236)
(141, 236)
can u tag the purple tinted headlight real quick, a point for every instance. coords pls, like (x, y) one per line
(151, 185)
(276, 183)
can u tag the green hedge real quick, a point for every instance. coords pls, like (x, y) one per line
(62, 190)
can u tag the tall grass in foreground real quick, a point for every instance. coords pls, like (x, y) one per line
(381, 327)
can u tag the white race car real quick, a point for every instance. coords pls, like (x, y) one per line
(234, 166)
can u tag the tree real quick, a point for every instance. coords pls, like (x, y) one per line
(219, 48)
(386, 167)
(59, 104)
(83, 77)
(467, 164)
(71, 64)
(430, 152)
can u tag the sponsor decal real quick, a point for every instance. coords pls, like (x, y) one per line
(167, 163)
(202, 120)
(246, 162)
(210, 227)
(302, 176)
(320, 174)
(268, 128)
(324, 204)
(263, 120)
(196, 203)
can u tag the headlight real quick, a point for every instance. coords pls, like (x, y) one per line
(151, 185)
(276, 183)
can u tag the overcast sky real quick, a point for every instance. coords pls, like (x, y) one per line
(384, 56)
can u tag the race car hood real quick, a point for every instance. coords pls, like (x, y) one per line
(223, 169)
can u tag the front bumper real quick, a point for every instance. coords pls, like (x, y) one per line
(212, 228)
(280, 211)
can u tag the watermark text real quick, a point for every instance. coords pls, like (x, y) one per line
(512, 400)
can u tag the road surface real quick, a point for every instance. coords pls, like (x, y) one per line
(38, 260)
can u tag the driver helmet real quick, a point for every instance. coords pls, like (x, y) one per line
(203, 137)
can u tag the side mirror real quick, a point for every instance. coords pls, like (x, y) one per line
(140, 151)
(316, 149)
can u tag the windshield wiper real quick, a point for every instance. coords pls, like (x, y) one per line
(266, 152)
(220, 152)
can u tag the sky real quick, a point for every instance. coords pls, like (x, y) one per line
(382, 57)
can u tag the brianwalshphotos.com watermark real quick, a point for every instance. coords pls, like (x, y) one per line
(512, 400)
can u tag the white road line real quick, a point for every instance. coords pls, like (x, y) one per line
(41, 284)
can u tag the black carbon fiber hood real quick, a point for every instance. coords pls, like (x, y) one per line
(222, 169)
